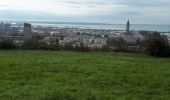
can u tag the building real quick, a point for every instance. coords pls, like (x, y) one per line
(50, 40)
(5, 28)
(27, 31)
(128, 27)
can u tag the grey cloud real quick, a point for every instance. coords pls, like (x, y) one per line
(141, 11)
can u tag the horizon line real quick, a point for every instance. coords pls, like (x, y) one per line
(75, 22)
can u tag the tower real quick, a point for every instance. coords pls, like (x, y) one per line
(128, 27)
(27, 31)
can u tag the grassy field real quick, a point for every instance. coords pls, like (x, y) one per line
(63, 75)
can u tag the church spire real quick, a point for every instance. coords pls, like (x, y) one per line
(128, 27)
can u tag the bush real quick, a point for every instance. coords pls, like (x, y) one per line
(157, 45)
(35, 44)
(53, 47)
(7, 44)
(118, 44)
(105, 48)
(68, 46)
(82, 48)
(31, 44)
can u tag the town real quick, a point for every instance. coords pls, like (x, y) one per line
(92, 38)
(84, 50)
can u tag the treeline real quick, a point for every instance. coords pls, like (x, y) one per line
(36, 44)
(31, 44)
(157, 45)
(7, 44)
(154, 44)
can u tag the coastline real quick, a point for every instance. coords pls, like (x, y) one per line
(102, 26)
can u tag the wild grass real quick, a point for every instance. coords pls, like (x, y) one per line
(64, 75)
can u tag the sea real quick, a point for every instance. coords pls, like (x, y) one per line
(139, 27)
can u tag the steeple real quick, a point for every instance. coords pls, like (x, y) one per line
(128, 27)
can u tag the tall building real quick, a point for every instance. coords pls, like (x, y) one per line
(128, 27)
(27, 31)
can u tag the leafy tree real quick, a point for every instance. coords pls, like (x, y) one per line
(68, 46)
(82, 48)
(7, 44)
(31, 44)
(157, 45)
(54, 45)
(118, 44)
(105, 48)
(35, 44)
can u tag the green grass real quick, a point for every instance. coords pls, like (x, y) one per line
(63, 75)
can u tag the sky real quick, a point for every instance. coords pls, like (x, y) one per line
(93, 11)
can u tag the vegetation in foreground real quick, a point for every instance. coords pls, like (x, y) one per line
(63, 75)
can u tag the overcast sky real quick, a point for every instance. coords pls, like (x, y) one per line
(102, 11)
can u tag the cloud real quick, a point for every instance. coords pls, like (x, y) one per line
(114, 11)
(58, 7)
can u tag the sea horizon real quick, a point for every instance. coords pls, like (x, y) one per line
(89, 25)
(77, 22)
(95, 25)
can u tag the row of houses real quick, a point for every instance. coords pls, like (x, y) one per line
(89, 41)
(93, 38)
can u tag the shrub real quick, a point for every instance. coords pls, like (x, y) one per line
(76, 47)
(105, 48)
(35, 44)
(118, 44)
(54, 45)
(31, 44)
(82, 48)
(68, 46)
(7, 44)
(157, 45)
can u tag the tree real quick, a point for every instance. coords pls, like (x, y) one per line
(54, 45)
(35, 44)
(7, 44)
(119, 44)
(157, 45)
(82, 48)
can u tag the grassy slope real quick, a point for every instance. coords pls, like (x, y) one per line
(49, 75)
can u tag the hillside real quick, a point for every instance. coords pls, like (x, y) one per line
(64, 75)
